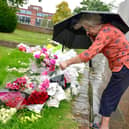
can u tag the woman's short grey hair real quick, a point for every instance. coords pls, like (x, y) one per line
(90, 19)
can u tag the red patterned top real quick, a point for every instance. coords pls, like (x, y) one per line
(112, 43)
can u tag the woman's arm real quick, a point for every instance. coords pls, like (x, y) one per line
(68, 62)
(102, 39)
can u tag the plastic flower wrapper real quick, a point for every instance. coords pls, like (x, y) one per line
(80, 67)
(75, 87)
(66, 55)
(51, 90)
(60, 79)
(56, 91)
(34, 49)
(34, 68)
(56, 97)
(71, 74)
(60, 94)
(12, 99)
(54, 47)
(57, 50)
(35, 107)
(52, 102)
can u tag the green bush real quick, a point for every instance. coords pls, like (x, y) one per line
(8, 18)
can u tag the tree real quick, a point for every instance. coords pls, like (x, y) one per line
(17, 3)
(62, 12)
(8, 19)
(94, 5)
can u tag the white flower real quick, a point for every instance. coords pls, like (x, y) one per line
(6, 114)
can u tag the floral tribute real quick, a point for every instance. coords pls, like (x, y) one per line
(43, 83)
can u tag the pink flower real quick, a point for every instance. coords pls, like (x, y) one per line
(19, 83)
(44, 50)
(8, 85)
(31, 85)
(55, 57)
(52, 61)
(44, 85)
(45, 73)
(52, 68)
(37, 56)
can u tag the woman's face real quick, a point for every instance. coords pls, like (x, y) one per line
(93, 30)
(77, 26)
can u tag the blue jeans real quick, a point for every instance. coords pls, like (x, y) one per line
(119, 82)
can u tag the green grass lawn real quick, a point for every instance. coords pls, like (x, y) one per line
(26, 37)
(51, 118)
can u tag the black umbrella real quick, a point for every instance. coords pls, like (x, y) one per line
(65, 34)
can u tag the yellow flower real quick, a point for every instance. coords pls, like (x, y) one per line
(50, 46)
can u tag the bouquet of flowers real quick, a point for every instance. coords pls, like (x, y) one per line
(45, 59)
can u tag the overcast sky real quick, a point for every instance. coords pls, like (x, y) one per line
(50, 5)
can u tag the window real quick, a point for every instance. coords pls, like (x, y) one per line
(38, 22)
(24, 19)
(39, 14)
(36, 8)
(50, 24)
(28, 12)
(49, 15)
(47, 23)
(45, 15)
(23, 11)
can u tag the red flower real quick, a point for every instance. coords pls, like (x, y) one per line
(36, 97)
(22, 48)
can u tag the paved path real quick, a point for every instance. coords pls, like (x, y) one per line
(120, 119)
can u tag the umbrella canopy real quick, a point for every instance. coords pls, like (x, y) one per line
(65, 34)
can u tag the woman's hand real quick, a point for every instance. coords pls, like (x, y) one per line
(63, 65)
(68, 62)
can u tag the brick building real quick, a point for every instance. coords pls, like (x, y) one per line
(35, 16)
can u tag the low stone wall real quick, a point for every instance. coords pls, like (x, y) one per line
(34, 28)
(99, 78)
(9, 44)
